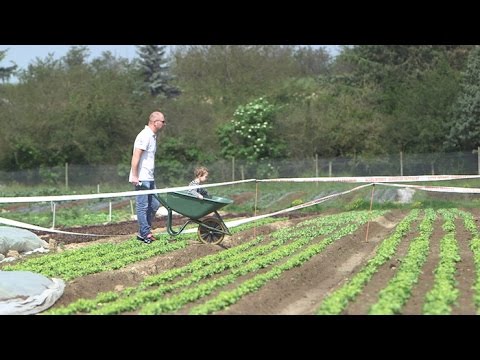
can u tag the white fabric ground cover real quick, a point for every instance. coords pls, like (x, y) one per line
(20, 240)
(25, 292)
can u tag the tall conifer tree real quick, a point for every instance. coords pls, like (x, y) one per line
(6, 72)
(154, 69)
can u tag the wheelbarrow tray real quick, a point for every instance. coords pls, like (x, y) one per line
(190, 206)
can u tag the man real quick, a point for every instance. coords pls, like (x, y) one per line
(142, 174)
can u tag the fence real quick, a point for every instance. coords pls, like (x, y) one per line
(403, 164)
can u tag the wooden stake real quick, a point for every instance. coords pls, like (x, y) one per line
(255, 209)
(369, 212)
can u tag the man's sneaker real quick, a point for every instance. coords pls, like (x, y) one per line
(147, 240)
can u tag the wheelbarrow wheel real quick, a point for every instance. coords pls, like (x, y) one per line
(208, 236)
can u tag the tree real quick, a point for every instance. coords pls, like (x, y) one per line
(389, 65)
(465, 127)
(177, 154)
(420, 121)
(6, 72)
(249, 135)
(67, 110)
(155, 71)
(76, 56)
(416, 85)
(312, 62)
(229, 75)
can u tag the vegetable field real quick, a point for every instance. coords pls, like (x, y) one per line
(420, 261)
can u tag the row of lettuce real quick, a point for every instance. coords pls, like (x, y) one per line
(212, 283)
(443, 293)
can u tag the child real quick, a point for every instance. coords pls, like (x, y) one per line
(201, 174)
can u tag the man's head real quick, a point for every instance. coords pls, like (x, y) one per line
(156, 121)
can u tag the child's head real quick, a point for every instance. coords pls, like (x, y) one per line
(201, 173)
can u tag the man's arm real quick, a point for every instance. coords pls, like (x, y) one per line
(137, 153)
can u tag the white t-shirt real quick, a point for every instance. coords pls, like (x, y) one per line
(146, 140)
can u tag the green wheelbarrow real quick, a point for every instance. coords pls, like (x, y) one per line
(211, 229)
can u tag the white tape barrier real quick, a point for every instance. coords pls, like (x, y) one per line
(229, 224)
(235, 223)
(88, 196)
(247, 220)
(23, 199)
(39, 228)
(449, 189)
(375, 179)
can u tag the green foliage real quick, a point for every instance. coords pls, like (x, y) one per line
(337, 301)
(465, 127)
(357, 204)
(190, 117)
(250, 134)
(6, 72)
(228, 75)
(370, 100)
(76, 56)
(49, 175)
(329, 118)
(388, 65)
(416, 87)
(313, 62)
(422, 107)
(154, 70)
(297, 202)
(439, 300)
(67, 110)
(393, 297)
(172, 157)
(417, 205)
(68, 217)
(265, 170)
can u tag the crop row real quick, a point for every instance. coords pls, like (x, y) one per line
(96, 258)
(443, 291)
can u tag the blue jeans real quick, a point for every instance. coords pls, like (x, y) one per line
(147, 206)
